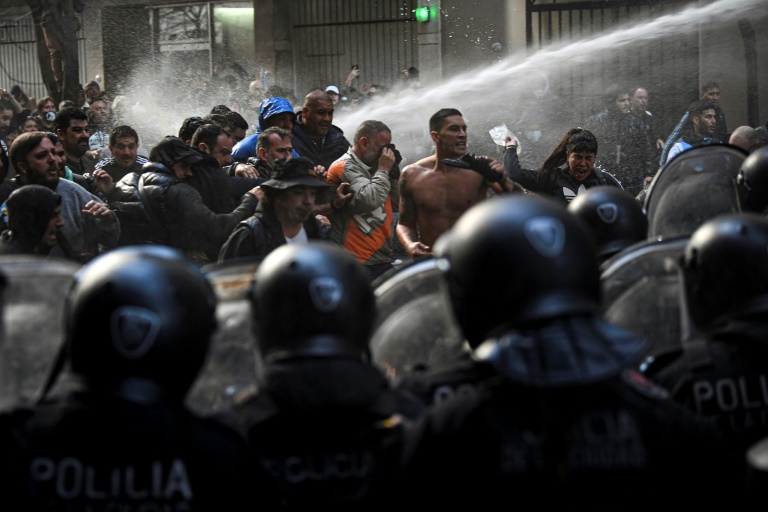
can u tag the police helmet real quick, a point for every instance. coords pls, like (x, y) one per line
(517, 259)
(695, 186)
(752, 181)
(312, 300)
(140, 320)
(725, 269)
(613, 216)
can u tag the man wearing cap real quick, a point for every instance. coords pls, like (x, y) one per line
(272, 112)
(333, 92)
(176, 212)
(284, 214)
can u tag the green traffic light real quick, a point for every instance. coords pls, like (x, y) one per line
(422, 14)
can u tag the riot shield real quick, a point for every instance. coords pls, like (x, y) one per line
(415, 325)
(232, 365)
(641, 291)
(695, 186)
(33, 333)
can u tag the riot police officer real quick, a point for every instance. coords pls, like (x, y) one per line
(138, 326)
(561, 418)
(752, 182)
(613, 216)
(722, 374)
(324, 422)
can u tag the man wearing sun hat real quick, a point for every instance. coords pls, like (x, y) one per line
(285, 213)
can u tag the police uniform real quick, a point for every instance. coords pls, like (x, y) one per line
(561, 418)
(328, 433)
(725, 380)
(94, 453)
(324, 424)
(558, 436)
(139, 321)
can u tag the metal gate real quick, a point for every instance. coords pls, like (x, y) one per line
(667, 66)
(18, 56)
(329, 36)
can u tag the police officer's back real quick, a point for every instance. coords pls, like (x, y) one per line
(560, 418)
(722, 374)
(138, 326)
(324, 422)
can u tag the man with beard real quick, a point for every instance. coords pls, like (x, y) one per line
(272, 144)
(438, 189)
(710, 92)
(71, 125)
(220, 191)
(89, 225)
(284, 214)
(700, 128)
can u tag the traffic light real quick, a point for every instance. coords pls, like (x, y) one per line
(422, 14)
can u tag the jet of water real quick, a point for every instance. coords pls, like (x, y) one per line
(508, 91)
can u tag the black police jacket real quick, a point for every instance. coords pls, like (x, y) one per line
(101, 453)
(328, 432)
(552, 426)
(723, 378)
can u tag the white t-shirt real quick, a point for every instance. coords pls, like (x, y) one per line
(301, 237)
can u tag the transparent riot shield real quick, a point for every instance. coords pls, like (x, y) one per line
(641, 291)
(415, 325)
(695, 186)
(232, 365)
(33, 324)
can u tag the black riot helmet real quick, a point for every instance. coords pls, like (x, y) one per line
(312, 300)
(725, 269)
(518, 259)
(139, 323)
(613, 216)
(752, 182)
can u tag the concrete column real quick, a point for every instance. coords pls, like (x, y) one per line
(272, 38)
(515, 26)
(429, 44)
(94, 50)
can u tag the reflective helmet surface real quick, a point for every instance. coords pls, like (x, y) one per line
(752, 181)
(725, 269)
(614, 218)
(695, 186)
(141, 313)
(312, 300)
(518, 259)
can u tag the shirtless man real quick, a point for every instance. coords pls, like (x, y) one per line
(433, 194)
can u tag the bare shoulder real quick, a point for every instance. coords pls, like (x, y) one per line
(417, 168)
